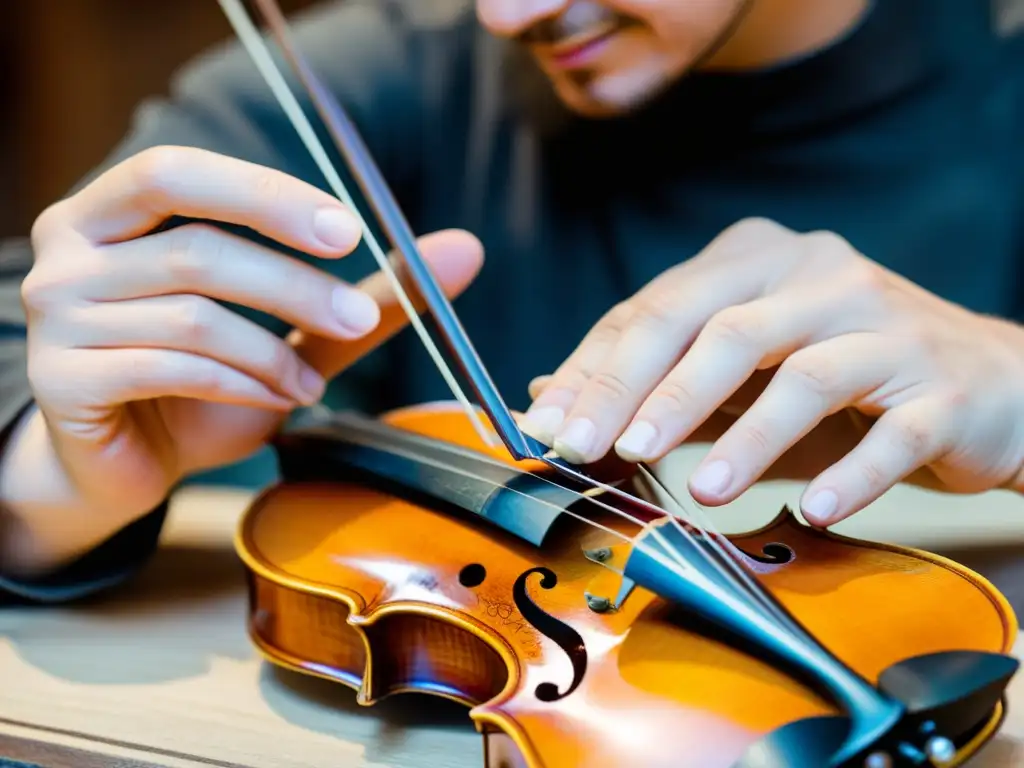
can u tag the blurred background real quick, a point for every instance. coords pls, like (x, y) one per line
(72, 72)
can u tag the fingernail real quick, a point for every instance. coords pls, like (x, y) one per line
(311, 385)
(822, 506)
(357, 312)
(712, 479)
(336, 228)
(575, 441)
(542, 422)
(636, 441)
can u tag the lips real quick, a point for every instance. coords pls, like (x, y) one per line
(579, 49)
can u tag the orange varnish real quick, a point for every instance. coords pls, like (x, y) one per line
(364, 588)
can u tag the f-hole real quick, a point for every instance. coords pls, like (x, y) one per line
(567, 638)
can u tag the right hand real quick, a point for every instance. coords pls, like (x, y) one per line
(140, 376)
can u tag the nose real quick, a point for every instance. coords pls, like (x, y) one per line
(510, 18)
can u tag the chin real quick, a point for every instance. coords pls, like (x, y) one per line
(605, 97)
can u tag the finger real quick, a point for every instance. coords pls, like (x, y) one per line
(104, 378)
(199, 326)
(145, 190)
(810, 385)
(454, 256)
(555, 398)
(665, 319)
(204, 260)
(730, 348)
(901, 441)
(594, 392)
(538, 385)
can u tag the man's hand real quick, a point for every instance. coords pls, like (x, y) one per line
(806, 349)
(140, 377)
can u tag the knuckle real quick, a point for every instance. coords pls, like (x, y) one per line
(45, 224)
(752, 231)
(274, 358)
(617, 318)
(865, 278)
(144, 366)
(658, 306)
(268, 187)
(309, 293)
(610, 385)
(46, 290)
(737, 325)
(874, 476)
(813, 373)
(208, 377)
(909, 434)
(752, 226)
(674, 396)
(757, 435)
(571, 378)
(867, 288)
(192, 250)
(826, 244)
(154, 170)
(38, 291)
(194, 319)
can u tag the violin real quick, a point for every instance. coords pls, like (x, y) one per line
(586, 616)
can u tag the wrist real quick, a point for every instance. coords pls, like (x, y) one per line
(44, 520)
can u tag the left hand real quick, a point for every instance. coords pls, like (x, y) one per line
(930, 384)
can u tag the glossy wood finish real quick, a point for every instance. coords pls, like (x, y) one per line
(385, 596)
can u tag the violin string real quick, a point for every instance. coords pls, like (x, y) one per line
(635, 541)
(747, 583)
(677, 565)
(250, 37)
(716, 557)
(248, 33)
(713, 538)
(494, 462)
(279, 29)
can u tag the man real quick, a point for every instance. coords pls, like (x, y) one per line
(709, 195)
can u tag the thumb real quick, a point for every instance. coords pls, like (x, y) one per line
(454, 256)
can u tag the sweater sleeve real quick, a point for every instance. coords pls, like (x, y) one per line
(361, 50)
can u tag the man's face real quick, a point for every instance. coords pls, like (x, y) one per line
(609, 56)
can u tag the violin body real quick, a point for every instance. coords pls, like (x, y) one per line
(386, 593)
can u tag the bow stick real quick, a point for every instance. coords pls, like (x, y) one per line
(382, 202)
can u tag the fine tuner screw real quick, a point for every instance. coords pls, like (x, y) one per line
(600, 555)
(941, 751)
(598, 604)
(938, 751)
